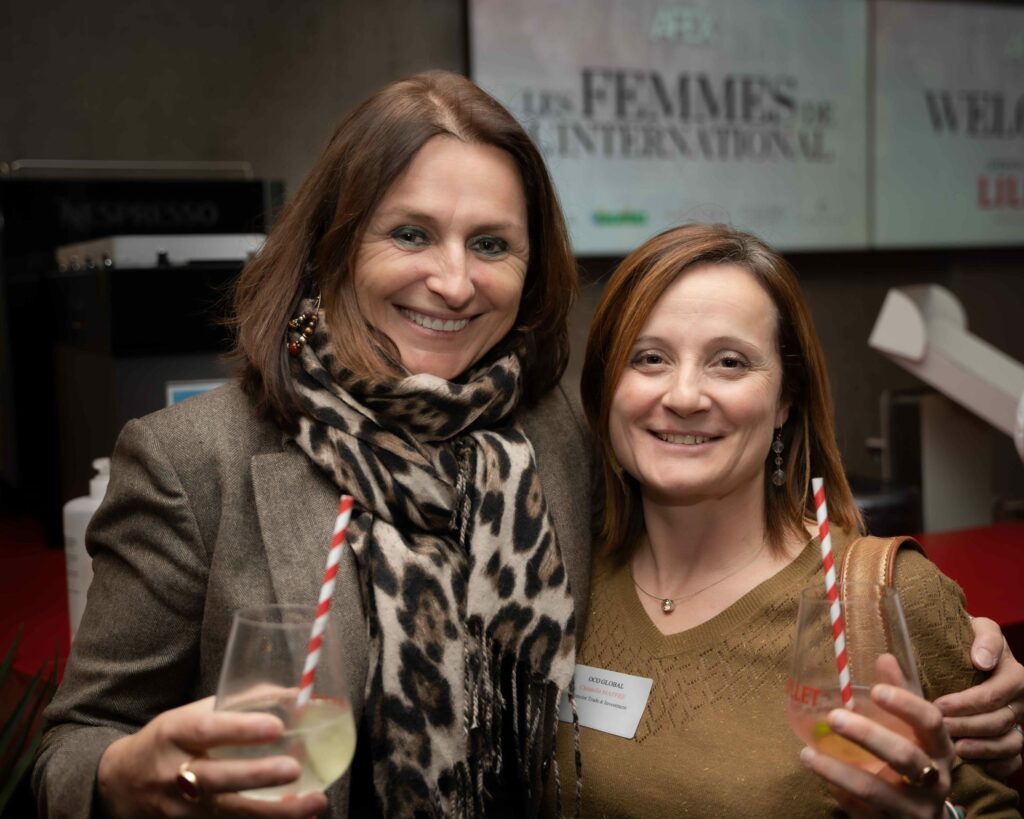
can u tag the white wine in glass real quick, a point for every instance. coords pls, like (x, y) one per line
(878, 650)
(262, 667)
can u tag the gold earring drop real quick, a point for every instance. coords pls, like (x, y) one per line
(778, 476)
(303, 326)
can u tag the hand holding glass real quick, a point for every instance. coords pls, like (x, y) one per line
(878, 651)
(261, 672)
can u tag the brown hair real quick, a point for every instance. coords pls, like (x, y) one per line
(316, 237)
(808, 434)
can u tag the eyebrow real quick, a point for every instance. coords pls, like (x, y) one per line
(413, 215)
(716, 341)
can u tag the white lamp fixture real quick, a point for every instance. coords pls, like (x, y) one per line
(924, 330)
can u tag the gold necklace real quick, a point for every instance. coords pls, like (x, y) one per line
(668, 604)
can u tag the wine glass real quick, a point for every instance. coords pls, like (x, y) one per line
(878, 650)
(262, 669)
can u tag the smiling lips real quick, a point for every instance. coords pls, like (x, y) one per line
(689, 440)
(437, 324)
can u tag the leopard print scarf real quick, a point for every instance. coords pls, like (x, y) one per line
(470, 615)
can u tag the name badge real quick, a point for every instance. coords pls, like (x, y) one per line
(608, 701)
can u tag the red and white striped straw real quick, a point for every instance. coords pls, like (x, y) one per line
(326, 590)
(834, 610)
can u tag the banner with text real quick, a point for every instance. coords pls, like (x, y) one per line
(949, 167)
(650, 114)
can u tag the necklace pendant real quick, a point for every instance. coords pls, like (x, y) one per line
(667, 606)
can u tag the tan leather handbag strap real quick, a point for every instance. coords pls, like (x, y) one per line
(872, 559)
(869, 560)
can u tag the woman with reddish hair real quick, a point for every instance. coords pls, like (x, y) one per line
(705, 386)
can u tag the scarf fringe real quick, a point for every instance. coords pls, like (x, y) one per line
(485, 710)
(515, 716)
(578, 801)
(577, 752)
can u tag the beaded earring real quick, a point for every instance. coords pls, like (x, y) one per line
(778, 476)
(302, 326)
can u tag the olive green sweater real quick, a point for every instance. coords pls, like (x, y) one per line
(714, 740)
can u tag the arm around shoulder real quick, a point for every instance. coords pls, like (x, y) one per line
(941, 634)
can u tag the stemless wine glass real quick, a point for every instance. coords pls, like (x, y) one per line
(262, 669)
(878, 651)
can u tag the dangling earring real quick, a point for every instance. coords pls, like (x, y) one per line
(303, 326)
(778, 476)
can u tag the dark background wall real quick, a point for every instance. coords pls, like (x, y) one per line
(266, 81)
(257, 80)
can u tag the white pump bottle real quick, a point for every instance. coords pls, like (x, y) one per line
(77, 514)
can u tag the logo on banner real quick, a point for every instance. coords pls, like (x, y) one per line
(619, 217)
(648, 114)
(683, 24)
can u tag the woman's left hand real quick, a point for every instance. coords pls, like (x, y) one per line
(919, 780)
(985, 719)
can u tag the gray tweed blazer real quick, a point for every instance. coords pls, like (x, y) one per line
(208, 510)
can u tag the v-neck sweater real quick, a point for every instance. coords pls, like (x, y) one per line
(713, 739)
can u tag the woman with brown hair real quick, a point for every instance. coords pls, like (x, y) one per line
(402, 334)
(705, 385)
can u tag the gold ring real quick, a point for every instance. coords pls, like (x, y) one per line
(188, 782)
(928, 777)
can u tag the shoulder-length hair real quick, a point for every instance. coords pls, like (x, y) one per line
(808, 435)
(316, 237)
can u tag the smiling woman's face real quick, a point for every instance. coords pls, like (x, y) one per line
(442, 263)
(693, 413)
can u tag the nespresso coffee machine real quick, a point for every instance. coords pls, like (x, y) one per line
(83, 346)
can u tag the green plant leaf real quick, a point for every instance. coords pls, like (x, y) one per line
(20, 769)
(29, 728)
(12, 652)
(21, 734)
(8, 747)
